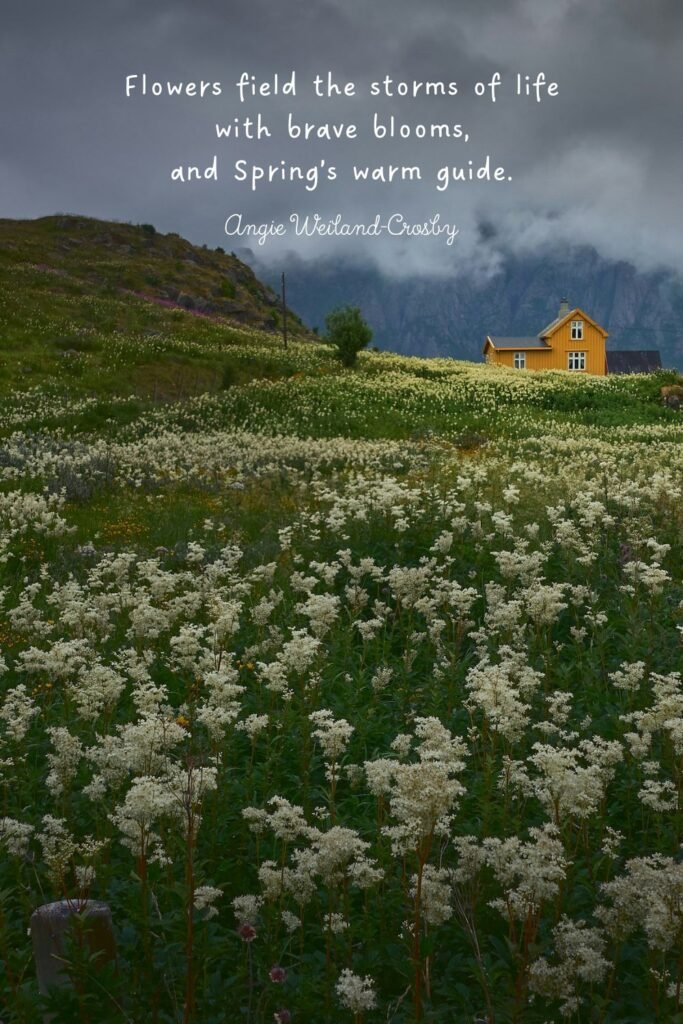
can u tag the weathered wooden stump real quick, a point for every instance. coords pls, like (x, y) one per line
(50, 927)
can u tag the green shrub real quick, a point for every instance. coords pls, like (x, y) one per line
(348, 332)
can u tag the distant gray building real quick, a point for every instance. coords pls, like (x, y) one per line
(646, 361)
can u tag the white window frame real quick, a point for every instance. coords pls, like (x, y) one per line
(576, 360)
(577, 330)
(519, 361)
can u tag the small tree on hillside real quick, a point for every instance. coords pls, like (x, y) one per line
(348, 332)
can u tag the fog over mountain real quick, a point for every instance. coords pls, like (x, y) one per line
(594, 208)
(598, 165)
(452, 315)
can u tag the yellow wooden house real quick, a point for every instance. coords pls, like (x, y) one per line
(572, 341)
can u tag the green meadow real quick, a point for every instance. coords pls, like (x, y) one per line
(356, 695)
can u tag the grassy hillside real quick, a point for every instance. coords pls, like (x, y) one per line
(109, 307)
(356, 695)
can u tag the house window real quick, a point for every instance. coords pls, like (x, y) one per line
(577, 330)
(577, 361)
(519, 361)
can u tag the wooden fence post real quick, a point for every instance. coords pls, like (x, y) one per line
(50, 925)
(284, 311)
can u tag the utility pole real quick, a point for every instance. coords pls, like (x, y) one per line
(284, 311)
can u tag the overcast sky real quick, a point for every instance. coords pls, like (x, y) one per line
(601, 163)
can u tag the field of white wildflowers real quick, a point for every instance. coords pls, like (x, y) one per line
(357, 697)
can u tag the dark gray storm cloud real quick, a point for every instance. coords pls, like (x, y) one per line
(601, 163)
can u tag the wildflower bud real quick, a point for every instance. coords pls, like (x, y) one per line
(277, 974)
(282, 1017)
(246, 932)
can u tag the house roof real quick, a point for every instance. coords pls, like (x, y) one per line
(539, 340)
(551, 326)
(518, 344)
(571, 315)
(643, 361)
